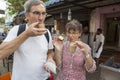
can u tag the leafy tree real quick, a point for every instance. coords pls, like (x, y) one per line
(2, 20)
(16, 5)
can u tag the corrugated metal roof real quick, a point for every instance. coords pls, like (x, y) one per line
(83, 5)
(50, 2)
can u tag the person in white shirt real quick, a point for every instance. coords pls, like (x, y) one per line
(31, 49)
(98, 45)
(85, 36)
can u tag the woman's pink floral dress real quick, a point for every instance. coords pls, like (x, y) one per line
(73, 65)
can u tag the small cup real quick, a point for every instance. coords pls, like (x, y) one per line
(73, 47)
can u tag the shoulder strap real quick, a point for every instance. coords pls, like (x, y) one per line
(47, 36)
(21, 29)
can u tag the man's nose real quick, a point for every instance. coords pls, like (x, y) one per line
(40, 16)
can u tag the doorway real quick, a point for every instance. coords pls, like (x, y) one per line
(112, 31)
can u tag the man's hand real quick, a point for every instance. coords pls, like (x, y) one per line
(46, 67)
(34, 30)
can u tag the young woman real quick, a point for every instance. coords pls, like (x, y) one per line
(75, 55)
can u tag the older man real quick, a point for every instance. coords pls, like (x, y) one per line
(32, 50)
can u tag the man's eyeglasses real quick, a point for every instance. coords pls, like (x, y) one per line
(39, 13)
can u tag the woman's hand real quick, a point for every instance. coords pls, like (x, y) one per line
(84, 47)
(58, 43)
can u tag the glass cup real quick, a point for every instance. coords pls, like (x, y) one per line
(72, 47)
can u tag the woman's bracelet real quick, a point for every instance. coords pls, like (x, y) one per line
(88, 55)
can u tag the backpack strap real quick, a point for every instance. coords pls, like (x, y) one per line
(22, 28)
(47, 36)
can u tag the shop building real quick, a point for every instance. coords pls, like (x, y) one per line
(92, 13)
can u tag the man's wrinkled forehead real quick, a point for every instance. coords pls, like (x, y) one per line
(38, 7)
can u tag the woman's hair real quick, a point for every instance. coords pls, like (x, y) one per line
(29, 3)
(74, 25)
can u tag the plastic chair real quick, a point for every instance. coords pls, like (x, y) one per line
(6, 76)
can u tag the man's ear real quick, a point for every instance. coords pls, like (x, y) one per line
(26, 16)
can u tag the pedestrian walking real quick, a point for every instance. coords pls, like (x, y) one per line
(98, 45)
